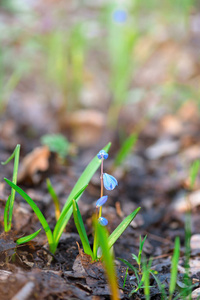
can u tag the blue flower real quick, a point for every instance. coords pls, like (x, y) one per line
(101, 201)
(103, 221)
(119, 16)
(102, 154)
(109, 182)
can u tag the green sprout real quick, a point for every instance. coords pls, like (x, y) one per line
(138, 258)
(108, 260)
(54, 198)
(28, 238)
(174, 268)
(109, 182)
(143, 272)
(8, 212)
(125, 149)
(54, 237)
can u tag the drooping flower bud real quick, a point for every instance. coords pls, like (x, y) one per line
(101, 201)
(102, 154)
(109, 181)
(103, 221)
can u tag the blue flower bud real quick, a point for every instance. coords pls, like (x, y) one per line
(120, 16)
(109, 182)
(102, 154)
(103, 221)
(101, 201)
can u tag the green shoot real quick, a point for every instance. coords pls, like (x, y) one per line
(37, 211)
(27, 238)
(81, 229)
(10, 202)
(140, 279)
(55, 198)
(194, 169)
(138, 258)
(174, 268)
(145, 279)
(45, 225)
(125, 149)
(125, 277)
(108, 260)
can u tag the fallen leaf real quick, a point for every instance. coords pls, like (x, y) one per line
(35, 161)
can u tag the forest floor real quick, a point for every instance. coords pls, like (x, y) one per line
(164, 112)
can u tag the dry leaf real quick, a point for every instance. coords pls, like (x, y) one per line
(35, 161)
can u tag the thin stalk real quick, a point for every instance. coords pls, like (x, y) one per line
(95, 244)
(100, 209)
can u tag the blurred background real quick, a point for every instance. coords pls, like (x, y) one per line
(97, 71)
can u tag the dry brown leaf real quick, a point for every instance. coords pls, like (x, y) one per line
(37, 160)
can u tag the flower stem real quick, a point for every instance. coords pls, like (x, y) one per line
(100, 209)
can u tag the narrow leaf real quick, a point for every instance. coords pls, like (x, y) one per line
(39, 214)
(5, 217)
(27, 238)
(81, 183)
(174, 268)
(108, 260)
(128, 265)
(64, 218)
(125, 149)
(54, 198)
(81, 229)
(14, 155)
(194, 169)
(135, 257)
(17, 149)
(121, 227)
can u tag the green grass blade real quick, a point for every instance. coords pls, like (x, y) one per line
(64, 217)
(5, 216)
(194, 169)
(81, 183)
(27, 238)
(125, 149)
(121, 227)
(54, 198)
(81, 229)
(136, 258)
(125, 277)
(146, 280)
(37, 211)
(141, 248)
(174, 268)
(17, 149)
(96, 242)
(108, 261)
(128, 264)
(14, 155)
